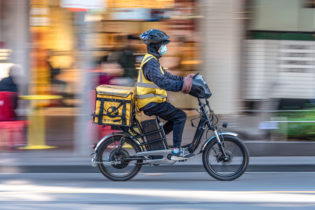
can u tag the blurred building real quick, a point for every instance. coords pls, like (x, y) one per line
(248, 51)
(279, 55)
(47, 38)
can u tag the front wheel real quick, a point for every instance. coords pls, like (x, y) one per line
(230, 167)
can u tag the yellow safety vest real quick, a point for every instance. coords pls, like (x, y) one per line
(147, 91)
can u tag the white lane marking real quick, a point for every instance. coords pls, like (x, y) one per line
(46, 193)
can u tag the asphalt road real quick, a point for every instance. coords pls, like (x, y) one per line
(254, 190)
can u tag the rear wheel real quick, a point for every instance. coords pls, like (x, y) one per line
(231, 167)
(112, 161)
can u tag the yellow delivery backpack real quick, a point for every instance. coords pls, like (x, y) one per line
(114, 105)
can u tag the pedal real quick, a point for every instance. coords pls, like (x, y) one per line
(189, 155)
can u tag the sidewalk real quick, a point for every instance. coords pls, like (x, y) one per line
(63, 162)
(60, 127)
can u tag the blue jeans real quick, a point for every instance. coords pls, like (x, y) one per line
(175, 118)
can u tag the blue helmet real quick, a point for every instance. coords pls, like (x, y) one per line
(154, 36)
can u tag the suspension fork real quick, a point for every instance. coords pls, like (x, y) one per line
(225, 157)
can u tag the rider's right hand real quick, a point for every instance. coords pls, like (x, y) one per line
(187, 84)
(191, 75)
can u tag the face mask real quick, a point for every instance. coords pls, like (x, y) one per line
(163, 49)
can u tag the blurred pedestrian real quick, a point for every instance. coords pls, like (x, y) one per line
(59, 85)
(107, 70)
(9, 83)
(9, 94)
(127, 61)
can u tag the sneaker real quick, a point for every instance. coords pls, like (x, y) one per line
(176, 151)
(181, 154)
(186, 153)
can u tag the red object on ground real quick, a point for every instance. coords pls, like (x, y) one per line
(7, 106)
(104, 131)
(11, 134)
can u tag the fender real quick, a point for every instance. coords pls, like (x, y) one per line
(105, 138)
(213, 137)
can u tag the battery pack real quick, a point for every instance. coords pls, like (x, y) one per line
(156, 139)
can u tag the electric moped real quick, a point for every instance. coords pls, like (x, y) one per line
(120, 155)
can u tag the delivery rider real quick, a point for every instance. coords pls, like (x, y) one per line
(152, 84)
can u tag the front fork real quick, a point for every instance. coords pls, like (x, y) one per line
(225, 157)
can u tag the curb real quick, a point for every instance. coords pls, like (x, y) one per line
(151, 169)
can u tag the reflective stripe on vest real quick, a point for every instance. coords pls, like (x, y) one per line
(147, 85)
(147, 91)
(150, 95)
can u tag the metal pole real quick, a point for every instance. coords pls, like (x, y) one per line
(83, 132)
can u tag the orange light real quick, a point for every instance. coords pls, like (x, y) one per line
(78, 9)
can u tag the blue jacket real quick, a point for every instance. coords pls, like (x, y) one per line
(166, 81)
(8, 84)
